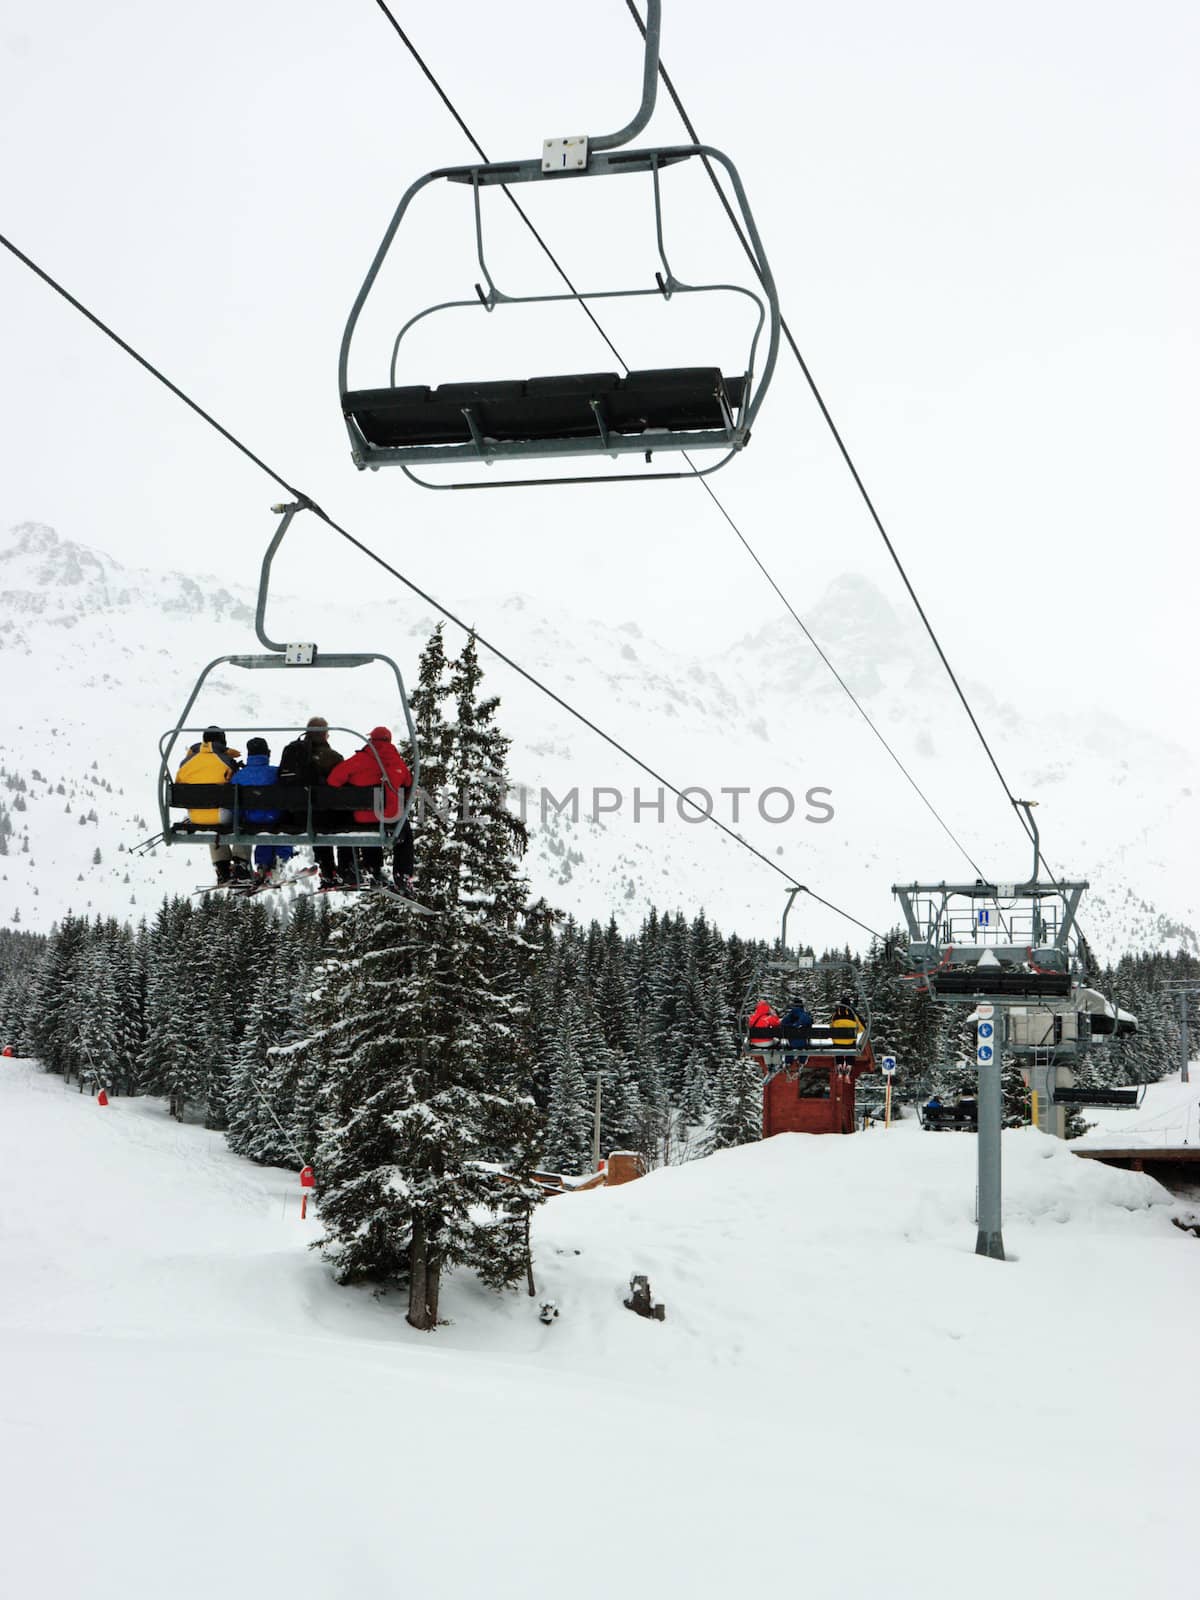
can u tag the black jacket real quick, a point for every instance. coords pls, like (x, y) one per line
(307, 762)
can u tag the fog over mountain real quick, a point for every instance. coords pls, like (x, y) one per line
(98, 660)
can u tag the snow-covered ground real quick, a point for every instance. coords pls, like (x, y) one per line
(843, 1400)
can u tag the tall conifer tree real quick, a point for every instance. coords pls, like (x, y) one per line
(431, 1130)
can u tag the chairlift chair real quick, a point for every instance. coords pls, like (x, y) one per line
(288, 799)
(1006, 942)
(796, 968)
(575, 414)
(959, 1116)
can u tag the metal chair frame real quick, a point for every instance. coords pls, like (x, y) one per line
(601, 158)
(285, 657)
(1039, 920)
(797, 967)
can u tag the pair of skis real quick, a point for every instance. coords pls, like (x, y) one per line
(376, 887)
(247, 888)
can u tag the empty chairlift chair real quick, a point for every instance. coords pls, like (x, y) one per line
(573, 414)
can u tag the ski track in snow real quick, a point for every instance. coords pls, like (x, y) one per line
(843, 1401)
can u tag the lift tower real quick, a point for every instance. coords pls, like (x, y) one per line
(1005, 950)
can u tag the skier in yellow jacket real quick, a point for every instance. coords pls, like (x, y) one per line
(212, 761)
(844, 1026)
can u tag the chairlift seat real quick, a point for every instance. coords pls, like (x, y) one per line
(668, 400)
(820, 1043)
(992, 980)
(960, 1118)
(674, 398)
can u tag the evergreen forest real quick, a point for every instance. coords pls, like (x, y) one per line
(428, 1067)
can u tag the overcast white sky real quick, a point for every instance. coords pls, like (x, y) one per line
(982, 221)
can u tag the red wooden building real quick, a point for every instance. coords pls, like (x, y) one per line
(815, 1098)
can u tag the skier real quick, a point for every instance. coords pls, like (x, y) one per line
(844, 1026)
(763, 1024)
(796, 1028)
(259, 772)
(307, 762)
(796, 1024)
(379, 762)
(212, 761)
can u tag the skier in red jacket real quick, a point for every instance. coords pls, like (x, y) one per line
(763, 1024)
(379, 762)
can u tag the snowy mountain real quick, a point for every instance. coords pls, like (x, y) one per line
(98, 660)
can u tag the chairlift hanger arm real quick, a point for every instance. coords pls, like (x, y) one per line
(286, 513)
(796, 889)
(1027, 807)
(653, 35)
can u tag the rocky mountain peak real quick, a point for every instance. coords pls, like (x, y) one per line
(38, 558)
(43, 574)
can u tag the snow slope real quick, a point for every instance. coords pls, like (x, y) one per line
(843, 1400)
(102, 659)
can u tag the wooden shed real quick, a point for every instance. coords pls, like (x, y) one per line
(815, 1098)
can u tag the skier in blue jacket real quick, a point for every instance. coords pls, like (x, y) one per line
(795, 1025)
(259, 771)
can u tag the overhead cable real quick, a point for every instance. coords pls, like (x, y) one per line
(703, 481)
(835, 432)
(681, 794)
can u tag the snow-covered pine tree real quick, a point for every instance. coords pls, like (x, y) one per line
(301, 1068)
(670, 1022)
(242, 940)
(431, 1130)
(614, 994)
(568, 1135)
(125, 955)
(541, 1022)
(174, 1058)
(737, 1109)
(257, 1125)
(13, 1002)
(54, 1020)
(98, 1028)
(715, 1036)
